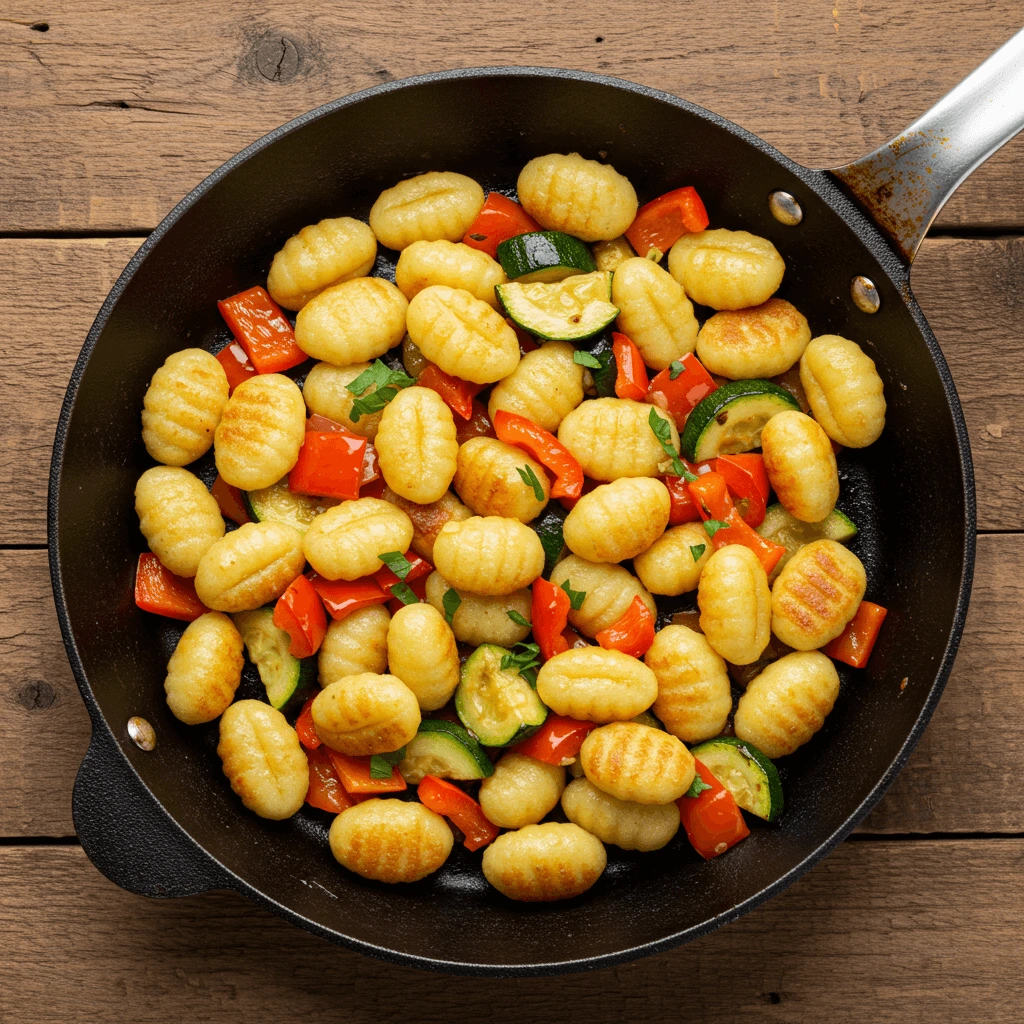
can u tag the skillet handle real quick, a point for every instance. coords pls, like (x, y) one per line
(905, 183)
(128, 836)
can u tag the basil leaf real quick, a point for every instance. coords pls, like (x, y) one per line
(404, 593)
(576, 597)
(451, 602)
(675, 368)
(387, 382)
(712, 526)
(530, 479)
(525, 662)
(697, 550)
(663, 432)
(697, 786)
(397, 563)
(586, 359)
(381, 765)
(518, 619)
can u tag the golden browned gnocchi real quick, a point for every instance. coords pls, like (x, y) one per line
(320, 255)
(787, 703)
(612, 437)
(488, 555)
(205, 669)
(521, 791)
(637, 763)
(390, 840)
(760, 342)
(416, 445)
(249, 567)
(488, 480)
(355, 644)
(422, 653)
(618, 520)
(438, 204)
(735, 604)
(654, 312)
(183, 406)
(427, 520)
(345, 542)
(483, 620)
(326, 393)
(844, 390)
(609, 590)
(553, 861)
(611, 254)
(726, 269)
(801, 465)
(817, 594)
(262, 759)
(580, 197)
(450, 263)
(260, 431)
(366, 714)
(178, 516)
(545, 387)
(352, 322)
(673, 564)
(595, 685)
(694, 696)
(631, 826)
(462, 335)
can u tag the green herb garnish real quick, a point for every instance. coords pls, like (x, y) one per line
(586, 359)
(397, 563)
(519, 620)
(530, 479)
(697, 786)
(382, 765)
(697, 550)
(387, 382)
(575, 596)
(712, 526)
(404, 593)
(525, 662)
(663, 432)
(451, 602)
(675, 368)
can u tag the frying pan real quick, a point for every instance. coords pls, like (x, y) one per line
(163, 822)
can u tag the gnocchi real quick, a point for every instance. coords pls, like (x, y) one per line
(637, 763)
(427, 520)
(522, 791)
(595, 685)
(735, 604)
(617, 521)
(483, 620)
(355, 644)
(428, 207)
(345, 542)
(205, 669)
(489, 479)
(844, 390)
(631, 826)
(726, 269)
(673, 564)
(801, 465)
(422, 653)
(760, 342)
(611, 254)
(366, 714)
(326, 393)
(488, 555)
(449, 263)
(609, 590)
(545, 387)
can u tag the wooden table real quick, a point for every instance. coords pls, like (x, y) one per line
(110, 113)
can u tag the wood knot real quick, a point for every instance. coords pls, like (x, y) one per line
(36, 695)
(277, 57)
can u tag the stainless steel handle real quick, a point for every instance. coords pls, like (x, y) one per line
(905, 183)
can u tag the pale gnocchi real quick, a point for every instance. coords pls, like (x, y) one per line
(801, 465)
(844, 390)
(609, 591)
(726, 269)
(488, 555)
(763, 341)
(438, 204)
(366, 714)
(449, 263)
(483, 620)
(356, 644)
(489, 478)
(422, 653)
(673, 564)
(545, 386)
(205, 669)
(595, 685)
(735, 604)
(346, 541)
(617, 521)
(621, 823)
(522, 791)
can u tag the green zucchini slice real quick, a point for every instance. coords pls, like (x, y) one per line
(446, 750)
(575, 308)
(750, 776)
(782, 528)
(497, 705)
(285, 677)
(545, 256)
(277, 504)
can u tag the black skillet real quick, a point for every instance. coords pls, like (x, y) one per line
(164, 822)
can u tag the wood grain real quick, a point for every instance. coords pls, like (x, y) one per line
(113, 113)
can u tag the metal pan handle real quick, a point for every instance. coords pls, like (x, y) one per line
(905, 183)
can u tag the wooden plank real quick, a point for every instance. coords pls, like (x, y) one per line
(963, 777)
(881, 931)
(111, 115)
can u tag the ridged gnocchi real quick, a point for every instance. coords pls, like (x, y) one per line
(617, 521)
(416, 445)
(726, 269)
(610, 590)
(178, 516)
(763, 341)
(205, 669)
(801, 465)
(438, 204)
(521, 791)
(355, 644)
(345, 541)
(260, 432)
(427, 520)
(488, 555)
(183, 406)
(422, 653)
(673, 564)
(611, 254)
(487, 479)
(654, 312)
(553, 861)
(483, 620)
(262, 759)
(595, 685)
(326, 393)
(735, 604)
(320, 255)
(462, 335)
(366, 714)
(787, 703)
(450, 263)
(545, 387)
(630, 826)
(612, 437)
(817, 594)
(637, 763)
(580, 197)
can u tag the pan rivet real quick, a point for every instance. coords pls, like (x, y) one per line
(142, 733)
(865, 294)
(785, 209)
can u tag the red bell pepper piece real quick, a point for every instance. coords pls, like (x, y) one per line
(458, 394)
(325, 789)
(232, 505)
(454, 803)
(545, 448)
(748, 484)
(236, 365)
(304, 727)
(854, 645)
(342, 597)
(570, 503)
(660, 223)
(680, 396)
(558, 740)
(354, 773)
(630, 374)
(418, 587)
(262, 330)
(478, 425)
(549, 614)
(420, 567)
(632, 632)
(159, 591)
(713, 821)
(330, 465)
(300, 613)
(322, 425)
(682, 508)
(499, 219)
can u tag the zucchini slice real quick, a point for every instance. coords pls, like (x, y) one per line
(277, 504)
(750, 776)
(497, 705)
(285, 677)
(577, 307)
(544, 256)
(731, 418)
(782, 528)
(446, 750)
(548, 526)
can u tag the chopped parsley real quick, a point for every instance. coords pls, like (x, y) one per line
(519, 620)
(404, 593)
(576, 597)
(525, 662)
(382, 765)
(530, 479)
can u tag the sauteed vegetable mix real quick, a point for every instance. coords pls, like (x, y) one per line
(450, 536)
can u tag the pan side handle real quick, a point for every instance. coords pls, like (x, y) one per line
(905, 183)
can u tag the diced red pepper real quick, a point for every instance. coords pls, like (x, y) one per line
(354, 773)
(445, 798)
(230, 500)
(318, 424)
(632, 632)
(854, 645)
(499, 219)
(458, 394)
(711, 495)
(342, 597)
(682, 508)
(631, 374)
(557, 741)
(159, 591)
(300, 613)
(660, 223)
(325, 789)
(570, 503)
(236, 365)
(304, 727)
(330, 465)
(679, 397)
(262, 330)
(713, 821)
(526, 339)
(545, 448)
(478, 425)
(549, 614)
(747, 481)
(420, 567)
